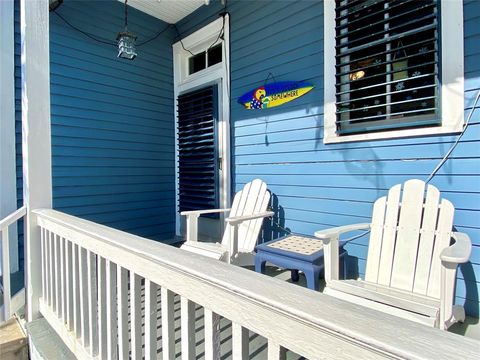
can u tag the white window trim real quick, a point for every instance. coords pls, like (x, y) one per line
(219, 74)
(8, 183)
(452, 91)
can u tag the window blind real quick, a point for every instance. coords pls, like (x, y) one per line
(197, 154)
(387, 68)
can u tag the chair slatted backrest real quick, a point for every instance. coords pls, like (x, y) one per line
(252, 199)
(409, 231)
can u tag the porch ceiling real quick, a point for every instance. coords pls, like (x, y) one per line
(170, 11)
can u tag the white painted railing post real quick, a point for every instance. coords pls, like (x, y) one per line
(37, 169)
(8, 177)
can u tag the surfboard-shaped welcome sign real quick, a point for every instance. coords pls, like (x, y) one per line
(275, 94)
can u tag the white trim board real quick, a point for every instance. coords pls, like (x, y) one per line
(219, 74)
(8, 176)
(452, 90)
(36, 138)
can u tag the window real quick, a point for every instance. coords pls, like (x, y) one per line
(389, 79)
(211, 57)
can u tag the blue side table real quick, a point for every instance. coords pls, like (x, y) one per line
(294, 252)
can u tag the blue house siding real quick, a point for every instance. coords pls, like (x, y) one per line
(112, 120)
(316, 185)
(112, 130)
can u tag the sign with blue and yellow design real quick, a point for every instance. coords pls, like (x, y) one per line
(275, 94)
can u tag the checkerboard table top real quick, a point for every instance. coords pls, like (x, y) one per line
(298, 244)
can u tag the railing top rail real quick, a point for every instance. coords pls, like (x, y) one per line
(304, 321)
(14, 216)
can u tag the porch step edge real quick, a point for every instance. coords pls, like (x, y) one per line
(44, 342)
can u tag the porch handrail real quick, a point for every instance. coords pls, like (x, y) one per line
(289, 317)
(10, 304)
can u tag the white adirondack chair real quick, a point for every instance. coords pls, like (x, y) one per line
(412, 257)
(242, 228)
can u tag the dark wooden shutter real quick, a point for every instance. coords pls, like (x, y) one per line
(197, 147)
(387, 68)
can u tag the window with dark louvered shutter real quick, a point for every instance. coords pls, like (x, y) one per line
(387, 68)
(197, 147)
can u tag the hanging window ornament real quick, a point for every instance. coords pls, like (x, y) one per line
(400, 64)
(400, 86)
(423, 50)
(126, 40)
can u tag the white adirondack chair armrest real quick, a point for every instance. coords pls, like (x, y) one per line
(202, 212)
(459, 251)
(235, 220)
(337, 231)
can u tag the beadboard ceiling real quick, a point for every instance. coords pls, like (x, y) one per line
(169, 11)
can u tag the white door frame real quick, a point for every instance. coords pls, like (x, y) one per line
(219, 74)
(8, 176)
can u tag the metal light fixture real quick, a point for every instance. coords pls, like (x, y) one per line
(126, 40)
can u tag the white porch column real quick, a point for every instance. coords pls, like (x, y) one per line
(8, 184)
(37, 166)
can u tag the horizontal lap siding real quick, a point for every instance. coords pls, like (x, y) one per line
(112, 128)
(112, 120)
(316, 186)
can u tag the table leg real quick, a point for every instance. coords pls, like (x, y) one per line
(259, 264)
(312, 276)
(294, 275)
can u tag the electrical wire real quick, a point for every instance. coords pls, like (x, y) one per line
(445, 158)
(220, 33)
(100, 40)
(106, 41)
(155, 36)
(181, 42)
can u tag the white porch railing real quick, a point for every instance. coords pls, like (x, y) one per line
(10, 304)
(105, 291)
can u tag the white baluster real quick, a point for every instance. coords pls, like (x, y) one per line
(111, 299)
(102, 307)
(92, 303)
(51, 278)
(150, 320)
(168, 324)
(83, 292)
(63, 289)
(212, 335)
(187, 316)
(275, 351)
(76, 290)
(240, 342)
(44, 263)
(69, 284)
(57, 270)
(136, 315)
(6, 271)
(122, 312)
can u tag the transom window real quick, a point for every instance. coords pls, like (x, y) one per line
(385, 72)
(205, 59)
